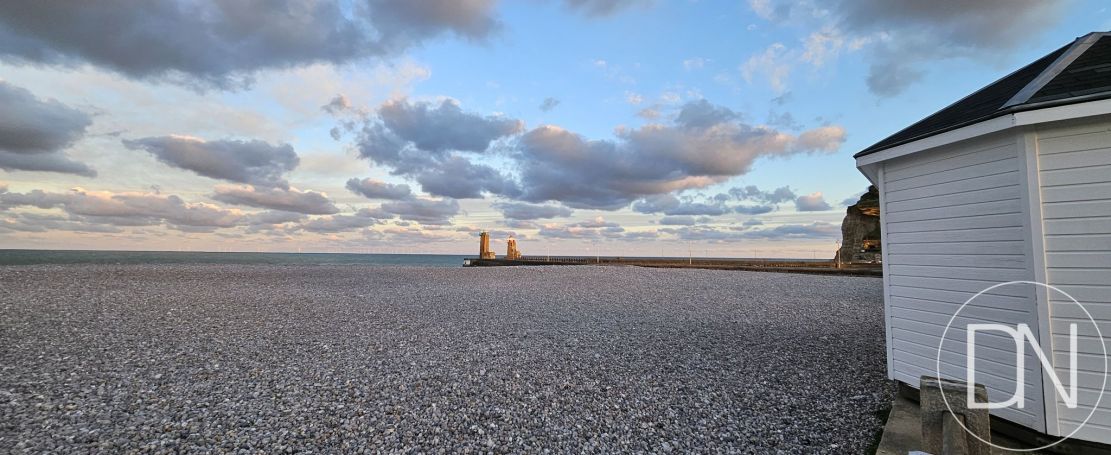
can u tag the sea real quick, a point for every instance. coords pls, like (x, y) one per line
(26, 257)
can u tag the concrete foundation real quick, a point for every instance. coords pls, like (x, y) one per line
(902, 434)
(948, 425)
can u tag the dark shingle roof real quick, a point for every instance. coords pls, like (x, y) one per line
(1074, 73)
(1089, 73)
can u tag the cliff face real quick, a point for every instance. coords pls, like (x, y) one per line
(860, 231)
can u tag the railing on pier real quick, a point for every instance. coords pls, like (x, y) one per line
(782, 265)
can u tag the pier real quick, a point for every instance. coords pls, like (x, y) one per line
(763, 265)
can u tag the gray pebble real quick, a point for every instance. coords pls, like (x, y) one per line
(363, 359)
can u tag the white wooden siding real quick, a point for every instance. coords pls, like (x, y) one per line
(1074, 169)
(955, 223)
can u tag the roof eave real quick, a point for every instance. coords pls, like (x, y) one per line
(1024, 115)
(1000, 113)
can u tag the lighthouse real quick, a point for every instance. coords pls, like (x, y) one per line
(484, 251)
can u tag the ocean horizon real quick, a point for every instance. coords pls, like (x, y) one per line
(32, 257)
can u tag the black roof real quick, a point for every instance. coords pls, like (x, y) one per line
(1077, 72)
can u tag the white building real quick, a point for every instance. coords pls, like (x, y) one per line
(1011, 183)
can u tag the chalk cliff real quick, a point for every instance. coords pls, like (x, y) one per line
(860, 231)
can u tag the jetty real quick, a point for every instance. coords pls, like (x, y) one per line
(759, 265)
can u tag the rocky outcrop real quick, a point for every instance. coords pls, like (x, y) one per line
(860, 231)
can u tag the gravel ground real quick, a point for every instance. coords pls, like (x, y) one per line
(327, 359)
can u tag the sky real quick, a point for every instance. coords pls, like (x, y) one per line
(611, 127)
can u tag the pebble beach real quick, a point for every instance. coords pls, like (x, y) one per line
(372, 359)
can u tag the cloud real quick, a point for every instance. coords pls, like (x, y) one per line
(408, 135)
(596, 222)
(633, 98)
(817, 230)
(604, 7)
(656, 203)
(37, 222)
(128, 208)
(845, 202)
(329, 165)
(813, 202)
(984, 24)
(782, 99)
(424, 211)
(340, 223)
(753, 193)
(403, 24)
(34, 133)
(706, 145)
(273, 222)
(670, 97)
(499, 235)
(34, 198)
(702, 234)
(670, 205)
(274, 217)
(459, 178)
(753, 209)
(523, 211)
(49, 162)
(766, 10)
(783, 120)
(649, 113)
(681, 220)
(695, 63)
(445, 127)
(251, 162)
(822, 139)
(31, 125)
(822, 45)
(376, 189)
(774, 64)
(703, 114)
(223, 43)
(417, 236)
(904, 36)
(596, 228)
(90, 211)
(337, 105)
(287, 199)
(421, 141)
(520, 224)
(887, 77)
(758, 201)
(548, 104)
(640, 235)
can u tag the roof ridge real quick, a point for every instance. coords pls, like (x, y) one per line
(1078, 47)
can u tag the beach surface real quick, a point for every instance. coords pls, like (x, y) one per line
(325, 359)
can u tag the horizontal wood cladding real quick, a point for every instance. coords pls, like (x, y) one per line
(1074, 171)
(955, 223)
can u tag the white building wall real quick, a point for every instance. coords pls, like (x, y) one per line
(1074, 169)
(955, 222)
